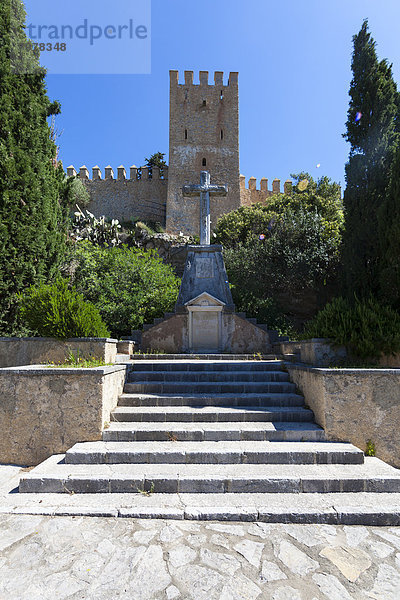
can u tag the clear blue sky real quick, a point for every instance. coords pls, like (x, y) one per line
(293, 58)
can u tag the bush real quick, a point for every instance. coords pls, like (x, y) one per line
(60, 312)
(79, 193)
(298, 255)
(129, 286)
(366, 328)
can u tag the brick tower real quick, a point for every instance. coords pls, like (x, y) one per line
(203, 135)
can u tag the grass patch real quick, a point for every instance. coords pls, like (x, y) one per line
(76, 361)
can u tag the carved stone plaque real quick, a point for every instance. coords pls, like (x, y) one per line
(205, 331)
(204, 268)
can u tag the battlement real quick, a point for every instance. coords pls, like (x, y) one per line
(203, 79)
(135, 173)
(276, 185)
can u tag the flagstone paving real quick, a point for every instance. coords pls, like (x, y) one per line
(108, 558)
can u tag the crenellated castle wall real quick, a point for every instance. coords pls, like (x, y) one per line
(137, 197)
(251, 195)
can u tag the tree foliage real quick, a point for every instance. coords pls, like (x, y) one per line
(129, 286)
(308, 195)
(297, 255)
(372, 129)
(389, 233)
(285, 249)
(33, 189)
(156, 160)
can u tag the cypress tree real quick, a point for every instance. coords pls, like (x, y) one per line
(389, 225)
(372, 130)
(33, 189)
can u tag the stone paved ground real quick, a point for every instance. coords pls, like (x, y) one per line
(108, 558)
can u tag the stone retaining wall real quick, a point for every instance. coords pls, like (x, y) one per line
(355, 405)
(322, 352)
(15, 352)
(44, 411)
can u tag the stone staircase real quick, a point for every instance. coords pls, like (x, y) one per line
(212, 438)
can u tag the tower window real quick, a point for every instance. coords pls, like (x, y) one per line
(222, 134)
(185, 134)
(204, 102)
(204, 162)
(221, 95)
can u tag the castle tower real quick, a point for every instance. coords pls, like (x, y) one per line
(203, 135)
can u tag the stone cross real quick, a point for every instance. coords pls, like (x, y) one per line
(205, 189)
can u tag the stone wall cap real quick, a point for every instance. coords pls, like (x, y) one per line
(316, 340)
(30, 370)
(41, 339)
(342, 370)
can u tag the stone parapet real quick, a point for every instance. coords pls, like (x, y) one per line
(15, 352)
(135, 173)
(354, 405)
(252, 194)
(44, 411)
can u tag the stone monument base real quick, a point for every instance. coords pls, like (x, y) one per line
(205, 320)
(236, 336)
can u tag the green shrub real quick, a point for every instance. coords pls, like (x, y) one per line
(129, 286)
(60, 312)
(79, 193)
(365, 327)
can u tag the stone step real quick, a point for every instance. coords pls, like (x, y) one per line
(243, 452)
(211, 400)
(208, 376)
(209, 357)
(363, 508)
(140, 432)
(207, 365)
(188, 387)
(211, 414)
(55, 476)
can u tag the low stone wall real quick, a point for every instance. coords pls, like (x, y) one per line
(355, 405)
(321, 352)
(44, 411)
(287, 347)
(15, 352)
